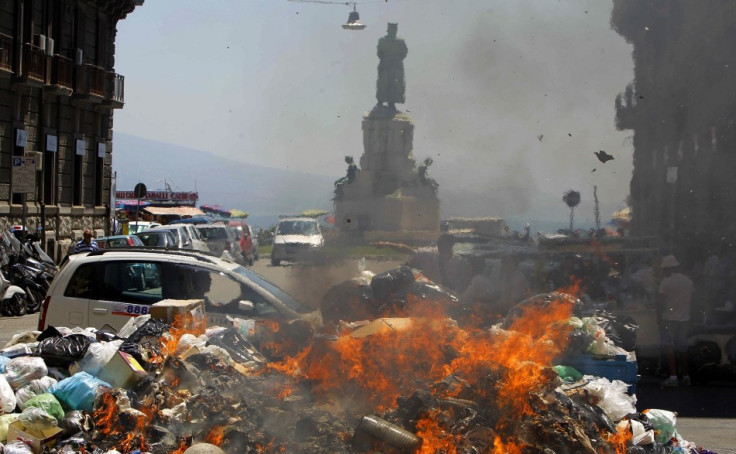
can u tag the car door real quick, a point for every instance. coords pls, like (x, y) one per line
(124, 289)
(71, 307)
(223, 295)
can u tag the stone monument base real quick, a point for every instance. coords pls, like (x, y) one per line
(396, 213)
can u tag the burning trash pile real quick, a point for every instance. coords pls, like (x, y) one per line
(423, 384)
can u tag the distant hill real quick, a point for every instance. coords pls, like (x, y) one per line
(266, 192)
(263, 192)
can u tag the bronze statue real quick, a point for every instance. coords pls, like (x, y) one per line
(347, 179)
(424, 179)
(390, 86)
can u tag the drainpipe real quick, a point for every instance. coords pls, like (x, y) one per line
(41, 193)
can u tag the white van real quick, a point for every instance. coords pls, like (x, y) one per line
(297, 239)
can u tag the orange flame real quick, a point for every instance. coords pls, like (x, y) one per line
(434, 437)
(107, 422)
(385, 363)
(215, 435)
(507, 447)
(620, 441)
(183, 446)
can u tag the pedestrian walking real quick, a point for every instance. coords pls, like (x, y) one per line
(674, 300)
(86, 244)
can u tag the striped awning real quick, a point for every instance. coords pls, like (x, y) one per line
(181, 211)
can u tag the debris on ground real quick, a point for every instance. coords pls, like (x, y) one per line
(421, 383)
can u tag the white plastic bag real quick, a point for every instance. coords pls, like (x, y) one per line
(7, 396)
(21, 371)
(41, 385)
(34, 418)
(17, 447)
(33, 389)
(612, 397)
(23, 395)
(98, 354)
(187, 341)
(663, 422)
(24, 337)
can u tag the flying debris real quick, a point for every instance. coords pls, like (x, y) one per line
(603, 156)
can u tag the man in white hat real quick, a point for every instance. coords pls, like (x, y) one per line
(675, 294)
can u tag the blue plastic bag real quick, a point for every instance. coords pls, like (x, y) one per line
(78, 392)
(3, 361)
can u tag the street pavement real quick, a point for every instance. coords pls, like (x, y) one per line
(706, 413)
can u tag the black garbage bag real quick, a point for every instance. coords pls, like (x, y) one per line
(152, 328)
(621, 329)
(62, 351)
(392, 281)
(50, 331)
(350, 300)
(76, 422)
(136, 351)
(579, 341)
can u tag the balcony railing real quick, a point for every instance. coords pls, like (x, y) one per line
(6, 53)
(90, 82)
(34, 63)
(115, 95)
(61, 73)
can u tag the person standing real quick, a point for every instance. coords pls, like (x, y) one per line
(86, 244)
(674, 300)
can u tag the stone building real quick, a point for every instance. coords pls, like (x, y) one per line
(58, 91)
(681, 107)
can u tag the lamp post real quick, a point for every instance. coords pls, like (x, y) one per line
(572, 199)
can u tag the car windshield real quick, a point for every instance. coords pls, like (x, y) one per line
(297, 228)
(286, 298)
(152, 238)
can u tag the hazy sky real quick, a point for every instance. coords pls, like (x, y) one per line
(281, 84)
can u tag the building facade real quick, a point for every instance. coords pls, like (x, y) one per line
(58, 92)
(681, 107)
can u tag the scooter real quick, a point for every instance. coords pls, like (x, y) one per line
(13, 299)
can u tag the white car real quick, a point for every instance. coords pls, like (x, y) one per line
(139, 226)
(181, 234)
(297, 239)
(198, 243)
(105, 288)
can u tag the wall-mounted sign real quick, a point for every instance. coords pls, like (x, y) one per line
(52, 143)
(21, 137)
(158, 196)
(79, 147)
(101, 149)
(24, 175)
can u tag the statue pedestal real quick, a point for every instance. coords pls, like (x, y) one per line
(387, 194)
